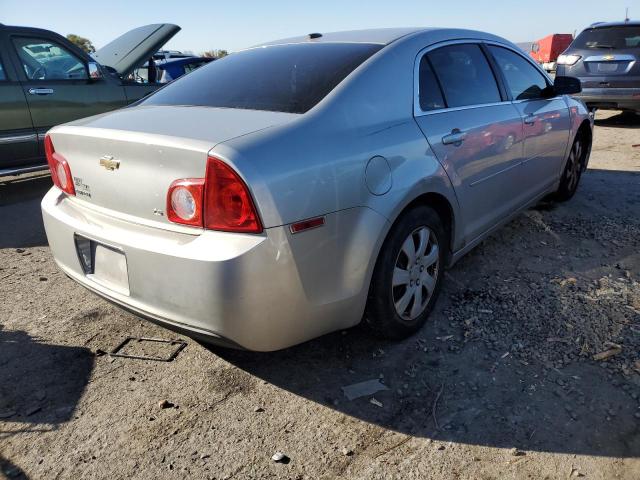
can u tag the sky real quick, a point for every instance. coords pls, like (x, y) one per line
(236, 24)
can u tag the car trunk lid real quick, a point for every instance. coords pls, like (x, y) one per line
(133, 48)
(611, 64)
(123, 162)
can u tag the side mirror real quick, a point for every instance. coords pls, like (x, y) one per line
(94, 71)
(566, 85)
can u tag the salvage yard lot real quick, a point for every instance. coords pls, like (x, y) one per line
(501, 383)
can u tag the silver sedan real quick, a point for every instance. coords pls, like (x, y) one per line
(301, 186)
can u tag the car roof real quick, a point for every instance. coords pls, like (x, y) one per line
(385, 36)
(381, 36)
(27, 30)
(630, 23)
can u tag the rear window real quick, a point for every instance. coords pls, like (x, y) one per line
(283, 78)
(609, 38)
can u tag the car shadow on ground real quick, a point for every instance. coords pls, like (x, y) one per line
(506, 358)
(20, 215)
(621, 120)
(40, 383)
(40, 386)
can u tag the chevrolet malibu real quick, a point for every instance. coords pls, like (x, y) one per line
(301, 186)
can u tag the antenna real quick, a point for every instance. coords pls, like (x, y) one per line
(626, 15)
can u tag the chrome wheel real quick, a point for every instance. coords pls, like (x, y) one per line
(415, 273)
(573, 166)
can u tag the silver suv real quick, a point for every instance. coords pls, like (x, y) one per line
(606, 59)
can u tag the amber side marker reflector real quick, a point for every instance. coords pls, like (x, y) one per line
(306, 225)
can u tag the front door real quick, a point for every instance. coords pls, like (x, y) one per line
(546, 120)
(18, 142)
(476, 136)
(57, 86)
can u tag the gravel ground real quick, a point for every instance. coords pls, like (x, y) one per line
(501, 384)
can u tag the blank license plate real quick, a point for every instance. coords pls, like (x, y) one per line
(110, 269)
(607, 67)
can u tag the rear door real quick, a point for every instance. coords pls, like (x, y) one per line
(546, 120)
(56, 83)
(18, 141)
(474, 131)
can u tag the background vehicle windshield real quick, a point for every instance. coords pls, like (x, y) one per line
(609, 37)
(283, 78)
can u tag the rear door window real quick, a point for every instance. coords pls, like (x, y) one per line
(44, 59)
(524, 81)
(284, 78)
(465, 75)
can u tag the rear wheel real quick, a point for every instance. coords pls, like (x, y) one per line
(572, 171)
(408, 274)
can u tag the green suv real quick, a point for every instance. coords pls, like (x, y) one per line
(45, 80)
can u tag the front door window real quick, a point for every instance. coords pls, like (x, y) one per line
(43, 59)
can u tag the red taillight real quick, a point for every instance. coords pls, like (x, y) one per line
(60, 171)
(220, 201)
(227, 202)
(184, 201)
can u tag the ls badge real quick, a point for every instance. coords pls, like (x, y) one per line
(109, 163)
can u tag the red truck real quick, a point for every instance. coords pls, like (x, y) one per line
(546, 50)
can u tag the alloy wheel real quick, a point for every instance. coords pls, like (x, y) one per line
(415, 273)
(573, 166)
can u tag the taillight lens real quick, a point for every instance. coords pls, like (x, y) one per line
(184, 201)
(60, 171)
(568, 59)
(220, 201)
(227, 202)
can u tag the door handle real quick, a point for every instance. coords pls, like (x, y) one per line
(41, 91)
(456, 137)
(529, 119)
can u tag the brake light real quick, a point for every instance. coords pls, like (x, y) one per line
(60, 171)
(220, 201)
(184, 201)
(227, 202)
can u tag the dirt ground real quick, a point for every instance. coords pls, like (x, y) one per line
(501, 384)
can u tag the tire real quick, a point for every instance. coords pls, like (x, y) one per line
(572, 171)
(389, 313)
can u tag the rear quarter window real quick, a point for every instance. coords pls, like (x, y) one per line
(284, 78)
(430, 94)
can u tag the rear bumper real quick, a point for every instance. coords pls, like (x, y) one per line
(611, 98)
(260, 292)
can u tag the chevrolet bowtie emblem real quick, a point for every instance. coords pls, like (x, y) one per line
(608, 57)
(109, 163)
